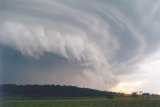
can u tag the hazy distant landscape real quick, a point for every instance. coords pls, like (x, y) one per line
(11, 91)
(71, 96)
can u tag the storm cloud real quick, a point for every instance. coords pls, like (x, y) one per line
(84, 43)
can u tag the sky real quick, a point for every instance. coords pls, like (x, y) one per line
(101, 44)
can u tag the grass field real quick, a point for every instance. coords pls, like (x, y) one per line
(82, 103)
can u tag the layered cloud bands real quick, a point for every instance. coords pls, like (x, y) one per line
(99, 39)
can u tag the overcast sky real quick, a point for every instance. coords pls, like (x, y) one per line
(102, 44)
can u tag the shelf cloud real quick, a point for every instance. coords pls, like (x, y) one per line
(89, 43)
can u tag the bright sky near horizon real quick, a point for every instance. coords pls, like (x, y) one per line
(100, 44)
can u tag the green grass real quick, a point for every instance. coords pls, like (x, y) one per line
(82, 103)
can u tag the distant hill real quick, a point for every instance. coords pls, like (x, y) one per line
(47, 91)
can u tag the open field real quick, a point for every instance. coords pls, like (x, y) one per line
(99, 102)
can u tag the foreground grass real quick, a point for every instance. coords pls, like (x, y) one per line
(82, 103)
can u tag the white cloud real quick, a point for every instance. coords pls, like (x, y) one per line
(91, 33)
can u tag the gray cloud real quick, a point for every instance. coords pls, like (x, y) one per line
(94, 41)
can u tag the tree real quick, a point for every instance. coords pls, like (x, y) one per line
(134, 94)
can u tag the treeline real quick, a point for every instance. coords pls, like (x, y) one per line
(42, 91)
